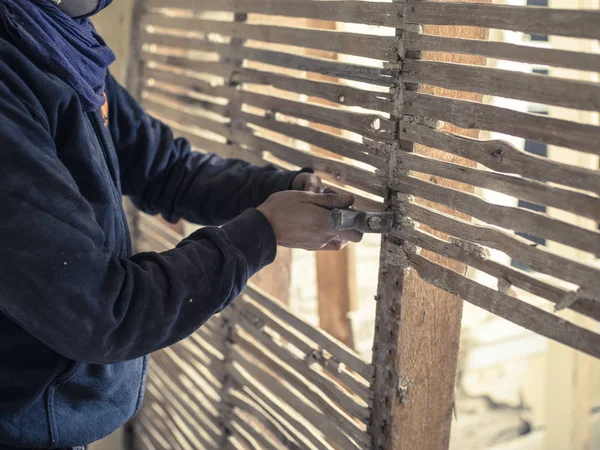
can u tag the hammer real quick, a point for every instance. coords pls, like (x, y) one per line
(365, 222)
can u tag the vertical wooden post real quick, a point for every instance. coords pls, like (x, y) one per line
(336, 289)
(417, 329)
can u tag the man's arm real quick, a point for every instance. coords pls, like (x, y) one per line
(62, 284)
(162, 174)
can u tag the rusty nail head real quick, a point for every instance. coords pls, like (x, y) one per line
(374, 223)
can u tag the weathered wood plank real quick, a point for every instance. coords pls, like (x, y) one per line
(245, 403)
(501, 156)
(241, 424)
(341, 352)
(507, 307)
(175, 430)
(371, 125)
(378, 47)
(535, 127)
(581, 23)
(284, 392)
(332, 169)
(296, 426)
(475, 256)
(217, 68)
(350, 401)
(181, 96)
(195, 84)
(312, 393)
(185, 119)
(195, 418)
(335, 144)
(333, 92)
(385, 14)
(537, 258)
(503, 50)
(530, 190)
(529, 87)
(510, 218)
(372, 75)
(336, 93)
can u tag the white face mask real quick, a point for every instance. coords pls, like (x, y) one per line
(78, 8)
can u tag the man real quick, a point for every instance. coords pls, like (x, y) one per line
(78, 311)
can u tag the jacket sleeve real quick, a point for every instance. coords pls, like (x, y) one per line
(162, 175)
(60, 282)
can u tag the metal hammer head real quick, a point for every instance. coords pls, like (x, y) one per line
(365, 222)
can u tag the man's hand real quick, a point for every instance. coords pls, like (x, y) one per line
(301, 220)
(307, 181)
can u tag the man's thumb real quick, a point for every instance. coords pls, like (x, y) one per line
(332, 200)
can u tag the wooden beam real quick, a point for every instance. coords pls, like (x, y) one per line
(417, 329)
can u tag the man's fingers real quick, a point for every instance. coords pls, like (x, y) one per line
(332, 200)
(351, 235)
(335, 245)
(313, 185)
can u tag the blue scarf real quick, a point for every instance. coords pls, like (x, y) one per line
(66, 47)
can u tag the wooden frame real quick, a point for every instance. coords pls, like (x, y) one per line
(229, 95)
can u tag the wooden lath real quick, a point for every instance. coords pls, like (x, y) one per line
(401, 130)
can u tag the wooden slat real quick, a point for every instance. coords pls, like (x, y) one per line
(336, 93)
(343, 147)
(259, 318)
(197, 66)
(159, 94)
(242, 401)
(371, 125)
(375, 13)
(530, 87)
(348, 401)
(165, 232)
(511, 218)
(309, 391)
(341, 353)
(275, 386)
(209, 380)
(335, 144)
(197, 85)
(582, 23)
(503, 50)
(337, 171)
(512, 276)
(378, 47)
(530, 190)
(203, 427)
(537, 258)
(372, 75)
(296, 426)
(154, 435)
(186, 119)
(241, 424)
(535, 127)
(501, 156)
(170, 421)
(507, 307)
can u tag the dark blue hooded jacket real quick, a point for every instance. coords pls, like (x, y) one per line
(78, 311)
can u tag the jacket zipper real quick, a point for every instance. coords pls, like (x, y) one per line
(115, 192)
